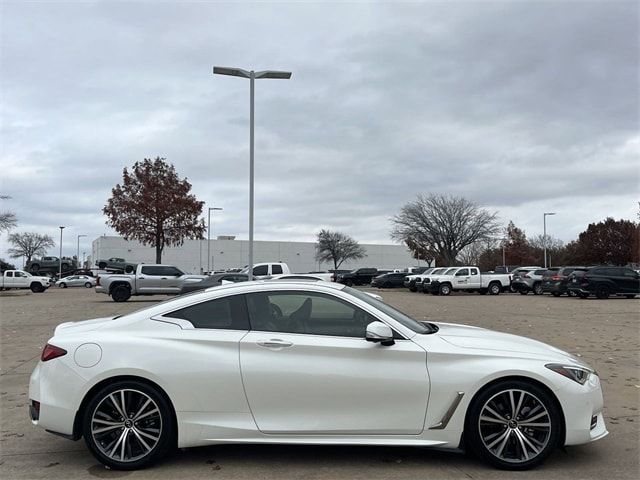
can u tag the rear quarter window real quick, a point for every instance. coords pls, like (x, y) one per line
(228, 313)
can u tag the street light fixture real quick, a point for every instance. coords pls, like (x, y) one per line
(209, 237)
(60, 257)
(544, 234)
(78, 251)
(252, 76)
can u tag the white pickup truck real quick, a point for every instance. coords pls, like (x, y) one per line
(275, 270)
(147, 280)
(468, 279)
(21, 279)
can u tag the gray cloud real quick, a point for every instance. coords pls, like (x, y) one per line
(523, 106)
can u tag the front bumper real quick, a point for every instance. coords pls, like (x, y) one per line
(580, 404)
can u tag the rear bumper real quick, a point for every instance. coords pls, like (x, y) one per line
(554, 287)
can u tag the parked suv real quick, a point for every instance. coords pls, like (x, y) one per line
(531, 281)
(605, 281)
(556, 282)
(361, 276)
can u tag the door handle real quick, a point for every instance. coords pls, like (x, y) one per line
(163, 278)
(274, 343)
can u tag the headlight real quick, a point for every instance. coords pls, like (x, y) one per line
(577, 374)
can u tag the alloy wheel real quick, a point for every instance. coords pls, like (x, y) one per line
(126, 425)
(515, 426)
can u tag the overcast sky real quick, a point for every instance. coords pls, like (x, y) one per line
(524, 107)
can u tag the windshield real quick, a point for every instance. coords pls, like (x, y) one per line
(450, 271)
(397, 315)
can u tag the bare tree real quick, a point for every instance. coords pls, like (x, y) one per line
(443, 225)
(553, 243)
(8, 219)
(337, 247)
(470, 255)
(29, 245)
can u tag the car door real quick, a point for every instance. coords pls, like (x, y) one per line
(461, 278)
(9, 281)
(628, 281)
(152, 279)
(307, 369)
(172, 279)
(21, 280)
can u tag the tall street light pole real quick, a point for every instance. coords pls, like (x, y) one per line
(78, 251)
(252, 76)
(209, 237)
(60, 257)
(544, 234)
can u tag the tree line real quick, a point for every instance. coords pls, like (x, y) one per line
(154, 206)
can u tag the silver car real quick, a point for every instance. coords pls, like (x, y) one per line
(530, 281)
(76, 281)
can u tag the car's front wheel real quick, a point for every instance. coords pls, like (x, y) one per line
(513, 425)
(128, 425)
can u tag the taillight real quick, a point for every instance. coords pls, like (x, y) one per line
(49, 352)
(97, 280)
(557, 277)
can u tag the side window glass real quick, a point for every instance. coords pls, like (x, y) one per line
(228, 313)
(150, 271)
(261, 270)
(10, 274)
(276, 269)
(171, 271)
(463, 273)
(307, 313)
(474, 271)
(629, 273)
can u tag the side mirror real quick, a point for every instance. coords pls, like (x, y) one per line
(379, 332)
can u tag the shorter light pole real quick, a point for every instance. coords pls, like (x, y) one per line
(544, 234)
(209, 237)
(78, 250)
(60, 257)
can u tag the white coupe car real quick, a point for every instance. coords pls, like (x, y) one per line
(307, 363)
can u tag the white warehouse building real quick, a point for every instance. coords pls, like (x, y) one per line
(227, 252)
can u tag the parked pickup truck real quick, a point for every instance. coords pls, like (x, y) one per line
(20, 279)
(469, 279)
(50, 264)
(275, 270)
(146, 280)
(115, 263)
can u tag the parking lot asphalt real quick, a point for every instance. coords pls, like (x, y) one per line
(606, 333)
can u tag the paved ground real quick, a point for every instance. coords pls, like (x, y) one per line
(605, 332)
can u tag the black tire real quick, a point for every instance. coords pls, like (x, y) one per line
(162, 422)
(537, 289)
(478, 432)
(413, 289)
(348, 283)
(523, 292)
(120, 293)
(555, 294)
(36, 287)
(445, 289)
(63, 285)
(88, 285)
(571, 293)
(630, 296)
(495, 288)
(583, 296)
(602, 292)
(65, 267)
(102, 265)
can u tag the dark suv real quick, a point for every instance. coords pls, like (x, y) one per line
(361, 276)
(605, 281)
(556, 282)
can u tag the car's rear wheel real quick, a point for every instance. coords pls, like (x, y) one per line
(494, 288)
(120, 293)
(128, 425)
(602, 291)
(513, 425)
(88, 285)
(537, 289)
(102, 265)
(483, 291)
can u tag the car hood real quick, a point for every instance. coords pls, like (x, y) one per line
(83, 326)
(465, 336)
